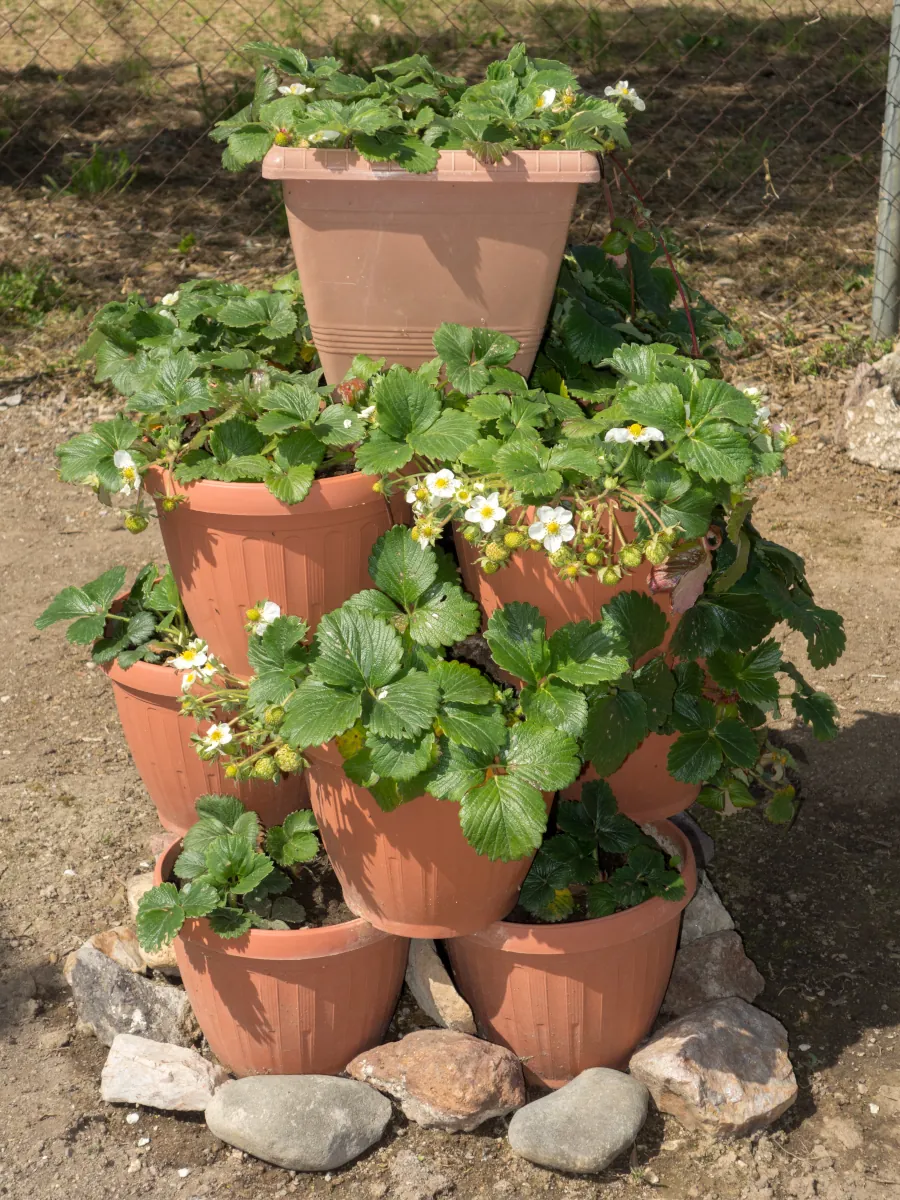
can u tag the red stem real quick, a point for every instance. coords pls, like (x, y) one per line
(695, 345)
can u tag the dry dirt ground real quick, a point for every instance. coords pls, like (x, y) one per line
(817, 904)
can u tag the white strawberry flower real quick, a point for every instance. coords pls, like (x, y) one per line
(295, 89)
(193, 656)
(623, 92)
(442, 484)
(189, 679)
(464, 494)
(131, 480)
(324, 135)
(552, 527)
(486, 511)
(546, 98)
(367, 413)
(418, 497)
(268, 613)
(425, 532)
(216, 737)
(170, 298)
(640, 435)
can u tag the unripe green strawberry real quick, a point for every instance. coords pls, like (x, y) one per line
(169, 503)
(378, 486)
(561, 557)
(273, 716)
(514, 539)
(265, 768)
(630, 556)
(588, 539)
(471, 533)
(490, 568)
(231, 771)
(570, 571)
(288, 760)
(495, 552)
(282, 138)
(592, 558)
(136, 522)
(656, 552)
(610, 576)
(610, 483)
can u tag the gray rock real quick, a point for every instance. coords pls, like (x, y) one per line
(300, 1122)
(723, 1069)
(112, 999)
(174, 1078)
(433, 990)
(711, 968)
(583, 1126)
(872, 414)
(705, 914)
(701, 843)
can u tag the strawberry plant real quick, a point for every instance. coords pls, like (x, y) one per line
(405, 112)
(146, 625)
(226, 876)
(598, 862)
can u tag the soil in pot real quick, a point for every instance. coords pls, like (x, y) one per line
(579, 994)
(295, 1001)
(385, 256)
(231, 545)
(411, 871)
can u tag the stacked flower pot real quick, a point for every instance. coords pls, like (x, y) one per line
(479, 729)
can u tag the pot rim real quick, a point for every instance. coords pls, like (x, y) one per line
(255, 500)
(549, 165)
(271, 944)
(601, 932)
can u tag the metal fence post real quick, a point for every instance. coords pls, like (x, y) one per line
(886, 283)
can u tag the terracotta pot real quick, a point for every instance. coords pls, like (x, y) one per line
(530, 576)
(386, 256)
(148, 699)
(232, 544)
(643, 787)
(410, 871)
(568, 997)
(289, 1002)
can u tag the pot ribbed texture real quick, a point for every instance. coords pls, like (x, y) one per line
(410, 871)
(148, 700)
(643, 788)
(569, 997)
(386, 256)
(289, 1002)
(231, 545)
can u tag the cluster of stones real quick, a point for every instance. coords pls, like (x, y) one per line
(721, 1066)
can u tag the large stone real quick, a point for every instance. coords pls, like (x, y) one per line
(300, 1122)
(723, 1069)
(583, 1126)
(135, 888)
(432, 987)
(872, 414)
(121, 945)
(443, 1079)
(141, 1071)
(705, 914)
(112, 999)
(701, 843)
(711, 968)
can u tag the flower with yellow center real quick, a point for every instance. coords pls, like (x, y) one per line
(639, 435)
(441, 484)
(486, 512)
(216, 737)
(622, 91)
(426, 532)
(552, 527)
(131, 480)
(546, 98)
(192, 657)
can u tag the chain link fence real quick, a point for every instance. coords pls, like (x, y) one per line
(760, 145)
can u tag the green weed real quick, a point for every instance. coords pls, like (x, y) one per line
(26, 296)
(104, 171)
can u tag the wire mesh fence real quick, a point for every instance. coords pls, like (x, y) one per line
(759, 146)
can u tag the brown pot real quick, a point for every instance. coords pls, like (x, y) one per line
(410, 871)
(289, 1002)
(386, 256)
(568, 997)
(530, 576)
(643, 788)
(231, 545)
(148, 699)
